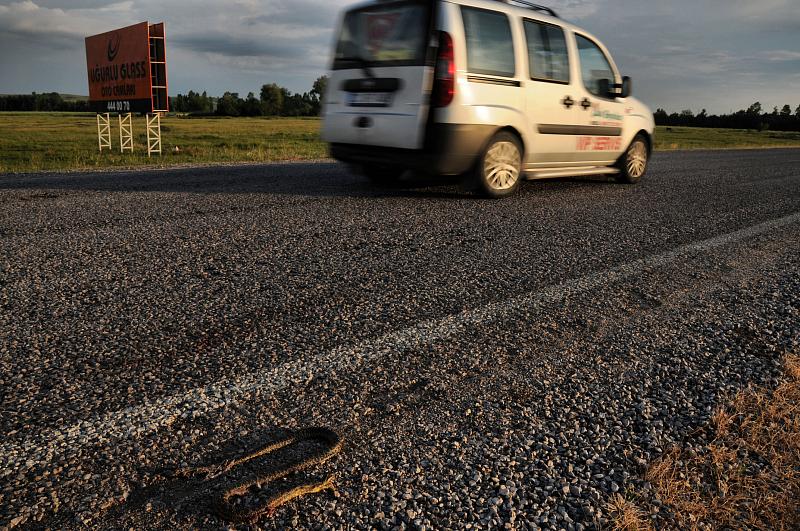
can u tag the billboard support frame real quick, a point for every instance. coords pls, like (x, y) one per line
(104, 131)
(153, 133)
(126, 133)
(159, 86)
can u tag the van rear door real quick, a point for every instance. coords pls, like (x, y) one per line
(379, 88)
(552, 94)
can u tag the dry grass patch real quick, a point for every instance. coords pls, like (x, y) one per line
(627, 516)
(748, 476)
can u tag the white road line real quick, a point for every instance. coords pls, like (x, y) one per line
(139, 420)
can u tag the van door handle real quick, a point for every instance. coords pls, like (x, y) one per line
(567, 102)
(586, 103)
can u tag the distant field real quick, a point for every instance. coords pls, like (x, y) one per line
(673, 138)
(59, 141)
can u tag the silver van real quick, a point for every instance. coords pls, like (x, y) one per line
(493, 90)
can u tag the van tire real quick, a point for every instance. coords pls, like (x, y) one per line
(503, 149)
(633, 163)
(382, 175)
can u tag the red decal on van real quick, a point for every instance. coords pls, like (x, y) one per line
(599, 143)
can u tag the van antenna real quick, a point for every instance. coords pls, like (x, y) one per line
(531, 5)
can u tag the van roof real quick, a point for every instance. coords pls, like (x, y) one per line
(499, 5)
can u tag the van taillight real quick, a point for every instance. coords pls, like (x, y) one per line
(444, 85)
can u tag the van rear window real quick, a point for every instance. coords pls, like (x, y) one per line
(394, 34)
(547, 52)
(490, 46)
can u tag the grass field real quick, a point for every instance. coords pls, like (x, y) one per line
(59, 141)
(673, 138)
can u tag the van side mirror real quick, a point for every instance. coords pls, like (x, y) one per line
(604, 88)
(627, 87)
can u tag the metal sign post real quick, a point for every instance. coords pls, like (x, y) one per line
(104, 131)
(126, 133)
(153, 134)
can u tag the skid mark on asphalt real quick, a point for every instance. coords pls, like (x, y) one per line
(146, 418)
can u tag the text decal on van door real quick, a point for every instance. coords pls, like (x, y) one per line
(599, 143)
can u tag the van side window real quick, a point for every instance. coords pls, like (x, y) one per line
(594, 65)
(490, 46)
(547, 52)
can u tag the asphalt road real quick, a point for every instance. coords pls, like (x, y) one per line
(496, 363)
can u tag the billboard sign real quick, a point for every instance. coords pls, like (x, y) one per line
(121, 69)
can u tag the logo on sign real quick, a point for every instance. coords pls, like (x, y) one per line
(113, 47)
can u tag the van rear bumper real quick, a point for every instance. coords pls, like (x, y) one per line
(450, 149)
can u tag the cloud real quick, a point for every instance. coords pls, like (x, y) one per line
(780, 56)
(55, 27)
(297, 14)
(784, 12)
(682, 53)
(575, 9)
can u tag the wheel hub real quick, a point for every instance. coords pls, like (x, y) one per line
(501, 165)
(637, 159)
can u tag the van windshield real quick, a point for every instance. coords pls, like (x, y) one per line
(392, 34)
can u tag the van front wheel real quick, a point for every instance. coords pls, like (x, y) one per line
(633, 164)
(499, 169)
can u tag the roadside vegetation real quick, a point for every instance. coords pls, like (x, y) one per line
(754, 117)
(31, 141)
(748, 476)
(675, 138)
(273, 100)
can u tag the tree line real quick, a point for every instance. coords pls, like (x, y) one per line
(273, 100)
(754, 117)
(48, 102)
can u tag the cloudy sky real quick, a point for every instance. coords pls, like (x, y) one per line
(716, 54)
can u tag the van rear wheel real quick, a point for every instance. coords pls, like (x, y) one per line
(633, 164)
(499, 169)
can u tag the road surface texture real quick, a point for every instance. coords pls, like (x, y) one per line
(488, 363)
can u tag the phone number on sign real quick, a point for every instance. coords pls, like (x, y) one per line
(117, 106)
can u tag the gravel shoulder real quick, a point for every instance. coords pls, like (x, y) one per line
(121, 291)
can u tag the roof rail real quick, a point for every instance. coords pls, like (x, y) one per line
(531, 5)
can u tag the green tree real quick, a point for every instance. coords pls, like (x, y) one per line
(285, 94)
(786, 111)
(797, 111)
(206, 105)
(297, 105)
(191, 102)
(317, 94)
(272, 97)
(319, 88)
(754, 108)
(252, 106)
(228, 104)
